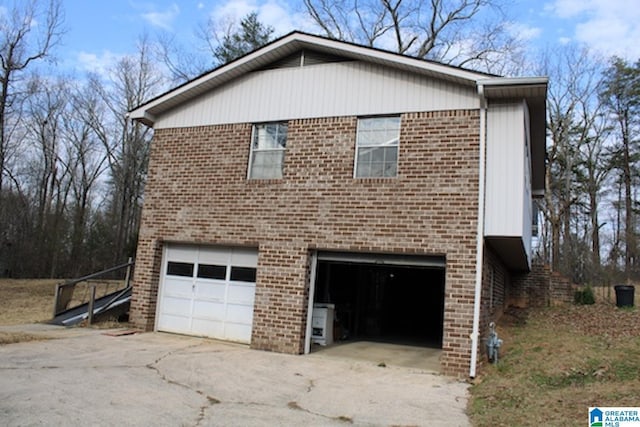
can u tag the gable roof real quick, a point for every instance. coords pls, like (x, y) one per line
(296, 41)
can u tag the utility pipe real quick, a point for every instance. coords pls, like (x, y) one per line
(475, 334)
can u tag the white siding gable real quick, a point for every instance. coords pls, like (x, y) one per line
(323, 90)
(508, 173)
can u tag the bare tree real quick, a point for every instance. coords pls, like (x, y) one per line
(88, 163)
(595, 166)
(574, 133)
(457, 32)
(22, 43)
(182, 64)
(50, 170)
(220, 41)
(133, 80)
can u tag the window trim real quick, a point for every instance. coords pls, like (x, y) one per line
(357, 147)
(263, 150)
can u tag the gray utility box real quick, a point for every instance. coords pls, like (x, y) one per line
(322, 323)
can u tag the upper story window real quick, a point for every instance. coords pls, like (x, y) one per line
(377, 147)
(268, 144)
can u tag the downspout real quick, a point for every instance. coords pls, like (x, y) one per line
(475, 334)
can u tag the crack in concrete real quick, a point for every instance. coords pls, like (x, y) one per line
(294, 405)
(203, 409)
(210, 401)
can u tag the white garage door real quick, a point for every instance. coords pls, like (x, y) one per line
(208, 291)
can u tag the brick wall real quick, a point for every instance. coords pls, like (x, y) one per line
(198, 192)
(540, 288)
(496, 279)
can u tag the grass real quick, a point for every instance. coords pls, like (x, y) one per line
(557, 362)
(24, 301)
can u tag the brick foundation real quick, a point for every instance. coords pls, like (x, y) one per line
(540, 288)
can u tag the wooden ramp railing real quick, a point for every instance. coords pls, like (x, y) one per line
(85, 290)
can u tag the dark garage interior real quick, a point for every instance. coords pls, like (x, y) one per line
(383, 302)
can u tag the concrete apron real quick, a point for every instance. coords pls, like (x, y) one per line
(86, 377)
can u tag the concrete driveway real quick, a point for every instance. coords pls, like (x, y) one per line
(86, 377)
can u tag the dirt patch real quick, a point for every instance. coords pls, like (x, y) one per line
(557, 364)
(16, 337)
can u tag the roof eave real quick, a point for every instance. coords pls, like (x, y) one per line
(534, 91)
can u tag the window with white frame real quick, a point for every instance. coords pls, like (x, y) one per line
(268, 145)
(377, 147)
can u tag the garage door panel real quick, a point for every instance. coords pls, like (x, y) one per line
(210, 290)
(173, 287)
(219, 256)
(238, 332)
(173, 305)
(208, 328)
(180, 253)
(199, 295)
(209, 309)
(244, 257)
(243, 294)
(239, 313)
(174, 323)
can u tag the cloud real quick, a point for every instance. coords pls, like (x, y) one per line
(569, 8)
(275, 13)
(163, 19)
(608, 26)
(97, 63)
(523, 32)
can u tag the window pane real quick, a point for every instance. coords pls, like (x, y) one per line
(377, 147)
(267, 164)
(365, 155)
(267, 150)
(206, 271)
(378, 131)
(391, 154)
(377, 154)
(270, 136)
(363, 170)
(180, 269)
(377, 162)
(243, 274)
(390, 169)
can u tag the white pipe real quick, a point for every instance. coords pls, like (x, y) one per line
(312, 292)
(480, 237)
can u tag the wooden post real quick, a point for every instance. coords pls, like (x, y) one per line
(127, 277)
(63, 296)
(92, 300)
(55, 301)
